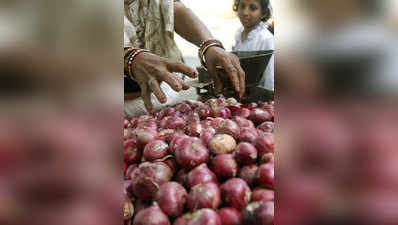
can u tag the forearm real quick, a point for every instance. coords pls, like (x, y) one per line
(189, 26)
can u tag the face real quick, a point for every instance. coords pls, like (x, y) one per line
(250, 13)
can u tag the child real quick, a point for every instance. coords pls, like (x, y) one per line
(254, 35)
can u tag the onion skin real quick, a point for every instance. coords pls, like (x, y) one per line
(235, 193)
(191, 153)
(147, 179)
(151, 216)
(205, 217)
(245, 153)
(265, 175)
(261, 194)
(249, 174)
(224, 166)
(200, 174)
(171, 198)
(155, 149)
(131, 152)
(222, 144)
(204, 195)
(230, 216)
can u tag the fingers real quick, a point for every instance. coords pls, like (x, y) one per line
(232, 73)
(175, 82)
(155, 87)
(217, 81)
(241, 77)
(146, 97)
(181, 68)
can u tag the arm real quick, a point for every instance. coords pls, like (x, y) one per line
(189, 26)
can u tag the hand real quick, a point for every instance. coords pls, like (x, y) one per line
(216, 56)
(151, 70)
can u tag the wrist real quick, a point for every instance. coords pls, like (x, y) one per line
(205, 46)
(129, 58)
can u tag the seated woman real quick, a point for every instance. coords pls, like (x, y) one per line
(152, 57)
(255, 35)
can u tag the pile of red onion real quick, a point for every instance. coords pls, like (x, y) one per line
(198, 163)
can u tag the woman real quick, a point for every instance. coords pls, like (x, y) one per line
(152, 57)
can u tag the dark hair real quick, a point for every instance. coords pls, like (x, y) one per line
(265, 6)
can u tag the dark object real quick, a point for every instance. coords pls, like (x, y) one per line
(254, 64)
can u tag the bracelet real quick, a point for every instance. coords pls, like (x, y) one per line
(129, 58)
(204, 46)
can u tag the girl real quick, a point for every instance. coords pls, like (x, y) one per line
(254, 35)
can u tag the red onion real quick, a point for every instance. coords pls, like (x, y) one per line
(248, 174)
(243, 122)
(267, 126)
(222, 144)
(242, 112)
(221, 112)
(183, 107)
(193, 129)
(259, 213)
(235, 193)
(205, 217)
(204, 195)
(171, 198)
(230, 216)
(260, 116)
(155, 149)
(216, 121)
(191, 153)
(207, 135)
(265, 175)
(131, 152)
(245, 153)
(200, 174)
(264, 143)
(248, 135)
(147, 179)
(261, 194)
(151, 216)
(176, 141)
(130, 170)
(144, 136)
(224, 166)
(183, 220)
(228, 127)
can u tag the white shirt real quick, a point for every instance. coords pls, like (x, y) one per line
(258, 39)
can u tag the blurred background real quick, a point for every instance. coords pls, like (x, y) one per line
(336, 93)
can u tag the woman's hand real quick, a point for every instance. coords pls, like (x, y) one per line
(151, 70)
(216, 56)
